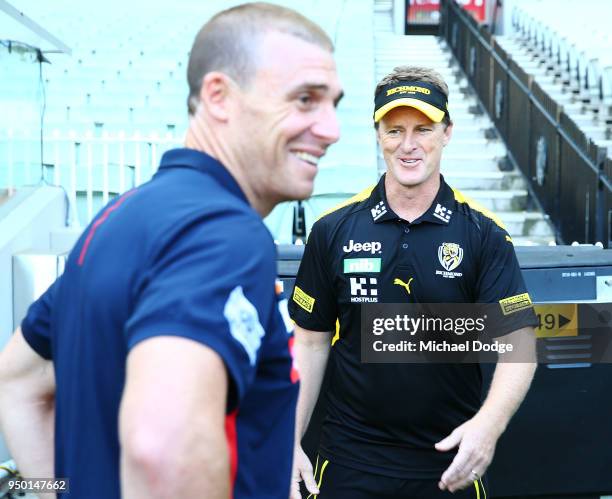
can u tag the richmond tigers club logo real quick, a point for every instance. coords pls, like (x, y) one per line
(450, 255)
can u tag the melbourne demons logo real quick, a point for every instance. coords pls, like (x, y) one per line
(450, 256)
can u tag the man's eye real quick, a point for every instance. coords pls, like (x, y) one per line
(393, 132)
(424, 129)
(305, 99)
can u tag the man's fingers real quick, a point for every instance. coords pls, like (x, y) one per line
(450, 442)
(309, 481)
(302, 470)
(295, 489)
(455, 485)
(457, 472)
(462, 473)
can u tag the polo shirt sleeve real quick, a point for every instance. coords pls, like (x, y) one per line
(36, 326)
(500, 281)
(313, 302)
(211, 280)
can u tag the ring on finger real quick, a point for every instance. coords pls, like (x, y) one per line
(475, 475)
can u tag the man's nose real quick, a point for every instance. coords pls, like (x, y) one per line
(327, 126)
(409, 142)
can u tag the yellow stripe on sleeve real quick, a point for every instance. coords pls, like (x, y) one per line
(462, 198)
(361, 196)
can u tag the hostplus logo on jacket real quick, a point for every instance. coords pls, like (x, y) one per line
(363, 290)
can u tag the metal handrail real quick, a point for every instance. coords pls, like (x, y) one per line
(552, 120)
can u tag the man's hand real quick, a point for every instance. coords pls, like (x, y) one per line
(27, 407)
(476, 439)
(311, 352)
(302, 470)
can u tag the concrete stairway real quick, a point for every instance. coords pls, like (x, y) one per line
(554, 80)
(470, 162)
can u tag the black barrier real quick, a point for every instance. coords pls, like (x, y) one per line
(519, 116)
(483, 80)
(452, 30)
(576, 212)
(532, 126)
(607, 199)
(556, 446)
(444, 26)
(498, 109)
(570, 127)
(470, 49)
(558, 443)
(579, 185)
(464, 47)
(598, 156)
(543, 163)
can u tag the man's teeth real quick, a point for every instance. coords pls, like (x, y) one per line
(409, 161)
(309, 158)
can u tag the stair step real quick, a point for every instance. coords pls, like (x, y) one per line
(442, 67)
(343, 178)
(383, 57)
(383, 6)
(459, 145)
(451, 166)
(526, 223)
(499, 200)
(533, 240)
(488, 181)
(583, 113)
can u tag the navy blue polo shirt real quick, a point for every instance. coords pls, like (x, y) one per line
(182, 255)
(386, 418)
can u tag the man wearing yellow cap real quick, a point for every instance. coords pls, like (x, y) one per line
(395, 430)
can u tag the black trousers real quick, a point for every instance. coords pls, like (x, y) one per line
(339, 482)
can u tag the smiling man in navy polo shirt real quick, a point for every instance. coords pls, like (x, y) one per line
(161, 356)
(404, 431)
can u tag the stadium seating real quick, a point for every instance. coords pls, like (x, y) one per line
(112, 108)
(569, 55)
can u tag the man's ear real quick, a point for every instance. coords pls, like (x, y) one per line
(448, 133)
(214, 95)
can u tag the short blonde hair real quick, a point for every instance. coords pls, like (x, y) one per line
(229, 41)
